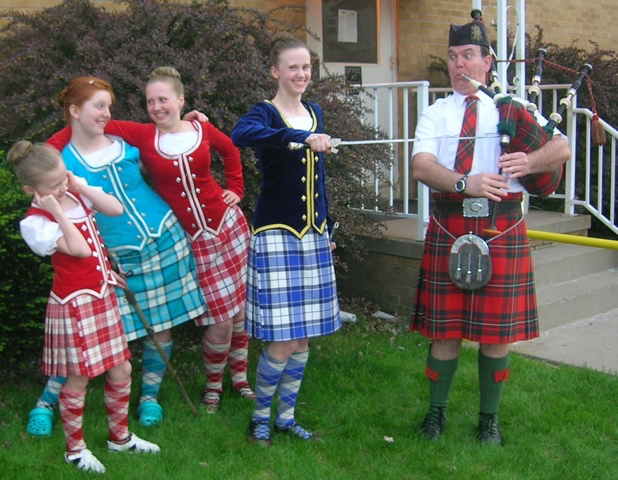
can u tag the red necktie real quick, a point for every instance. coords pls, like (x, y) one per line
(465, 150)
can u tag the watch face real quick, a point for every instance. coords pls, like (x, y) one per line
(460, 186)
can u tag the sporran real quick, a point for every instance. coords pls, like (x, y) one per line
(469, 263)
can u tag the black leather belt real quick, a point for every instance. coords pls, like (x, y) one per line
(503, 207)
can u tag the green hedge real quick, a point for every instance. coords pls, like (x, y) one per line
(26, 278)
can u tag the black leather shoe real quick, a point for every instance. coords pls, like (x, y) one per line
(434, 422)
(488, 431)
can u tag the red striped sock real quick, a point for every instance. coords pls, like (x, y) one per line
(237, 359)
(116, 396)
(71, 405)
(214, 356)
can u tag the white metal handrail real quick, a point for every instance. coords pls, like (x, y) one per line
(392, 112)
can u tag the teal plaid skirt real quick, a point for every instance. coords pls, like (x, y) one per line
(163, 277)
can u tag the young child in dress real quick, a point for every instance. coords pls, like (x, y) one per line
(83, 333)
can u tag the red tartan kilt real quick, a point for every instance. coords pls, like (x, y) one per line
(502, 312)
(221, 265)
(84, 336)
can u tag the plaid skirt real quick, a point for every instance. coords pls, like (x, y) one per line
(502, 312)
(221, 262)
(163, 278)
(84, 336)
(291, 287)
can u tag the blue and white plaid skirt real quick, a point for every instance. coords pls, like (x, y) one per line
(163, 277)
(291, 287)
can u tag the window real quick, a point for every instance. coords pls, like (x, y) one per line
(350, 30)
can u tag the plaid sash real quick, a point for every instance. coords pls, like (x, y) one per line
(527, 136)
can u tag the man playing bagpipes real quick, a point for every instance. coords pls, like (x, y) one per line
(473, 284)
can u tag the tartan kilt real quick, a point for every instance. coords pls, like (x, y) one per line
(291, 287)
(221, 263)
(502, 312)
(163, 278)
(83, 336)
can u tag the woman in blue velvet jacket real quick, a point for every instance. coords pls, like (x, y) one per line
(291, 288)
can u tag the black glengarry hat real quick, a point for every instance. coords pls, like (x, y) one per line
(472, 33)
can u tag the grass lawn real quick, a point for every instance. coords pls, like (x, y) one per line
(365, 394)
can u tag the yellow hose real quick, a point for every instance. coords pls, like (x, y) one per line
(566, 238)
(574, 239)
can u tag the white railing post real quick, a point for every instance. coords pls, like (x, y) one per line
(570, 167)
(520, 68)
(406, 150)
(422, 217)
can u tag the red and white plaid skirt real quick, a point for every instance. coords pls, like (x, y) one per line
(84, 336)
(502, 312)
(221, 263)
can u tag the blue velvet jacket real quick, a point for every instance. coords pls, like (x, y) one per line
(293, 190)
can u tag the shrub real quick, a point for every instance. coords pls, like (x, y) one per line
(26, 279)
(603, 80)
(222, 55)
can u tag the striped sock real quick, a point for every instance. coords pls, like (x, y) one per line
(288, 388)
(237, 359)
(116, 396)
(269, 372)
(71, 405)
(153, 369)
(49, 397)
(214, 356)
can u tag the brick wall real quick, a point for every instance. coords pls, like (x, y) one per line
(423, 27)
(388, 275)
(423, 24)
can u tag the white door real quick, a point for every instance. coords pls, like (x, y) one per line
(357, 39)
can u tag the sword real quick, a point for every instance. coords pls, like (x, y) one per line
(337, 142)
(151, 334)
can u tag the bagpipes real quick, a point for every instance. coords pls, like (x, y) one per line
(520, 132)
(518, 128)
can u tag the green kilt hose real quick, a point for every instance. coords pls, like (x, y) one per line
(502, 312)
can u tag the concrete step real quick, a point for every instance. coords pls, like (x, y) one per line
(589, 342)
(582, 297)
(573, 282)
(563, 262)
(557, 222)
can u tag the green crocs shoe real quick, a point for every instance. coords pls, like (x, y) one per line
(149, 414)
(40, 422)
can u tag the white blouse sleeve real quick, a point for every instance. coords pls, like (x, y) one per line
(40, 234)
(84, 199)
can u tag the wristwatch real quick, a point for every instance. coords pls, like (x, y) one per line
(460, 185)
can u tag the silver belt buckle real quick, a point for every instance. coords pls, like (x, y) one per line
(476, 207)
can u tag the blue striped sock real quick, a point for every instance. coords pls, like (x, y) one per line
(49, 397)
(289, 387)
(269, 372)
(153, 369)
